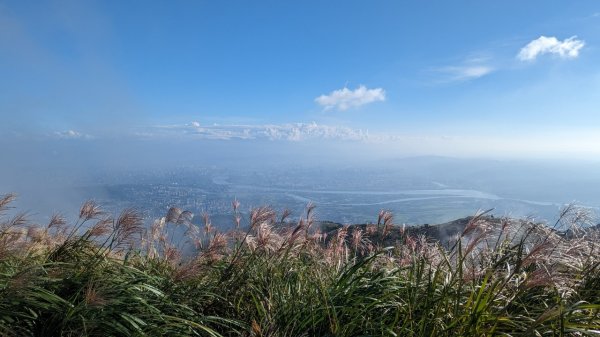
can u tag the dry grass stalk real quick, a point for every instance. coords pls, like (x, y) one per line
(157, 228)
(266, 239)
(208, 227)
(185, 218)
(235, 204)
(127, 227)
(371, 229)
(284, 215)
(337, 249)
(36, 234)
(318, 236)
(173, 215)
(89, 210)
(357, 240)
(172, 255)
(18, 220)
(310, 215)
(217, 247)
(57, 222)
(102, 227)
(93, 297)
(6, 199)
(261, 215)
(292, 237)
(388, 219)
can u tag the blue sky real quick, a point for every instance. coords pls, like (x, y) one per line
(437, 77)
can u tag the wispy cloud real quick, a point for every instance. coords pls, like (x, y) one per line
(568, 48)
(469, 69)
(465, 73)
(344, 99)
(71, 134)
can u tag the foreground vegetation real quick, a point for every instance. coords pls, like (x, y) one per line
(104, 276)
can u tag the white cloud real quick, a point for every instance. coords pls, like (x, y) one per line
(568, 48)
(344, 99)
(71, 134)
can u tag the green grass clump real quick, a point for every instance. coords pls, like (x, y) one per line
(104, 276)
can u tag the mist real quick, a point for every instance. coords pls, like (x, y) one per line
(57, 175)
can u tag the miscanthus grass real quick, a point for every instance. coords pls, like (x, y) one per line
(112, 276)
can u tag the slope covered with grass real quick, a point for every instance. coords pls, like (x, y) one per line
(111, 276)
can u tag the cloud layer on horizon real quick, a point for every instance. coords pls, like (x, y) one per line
(286, 132)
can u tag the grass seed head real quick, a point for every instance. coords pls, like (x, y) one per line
(173, 215)
(89, 210)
